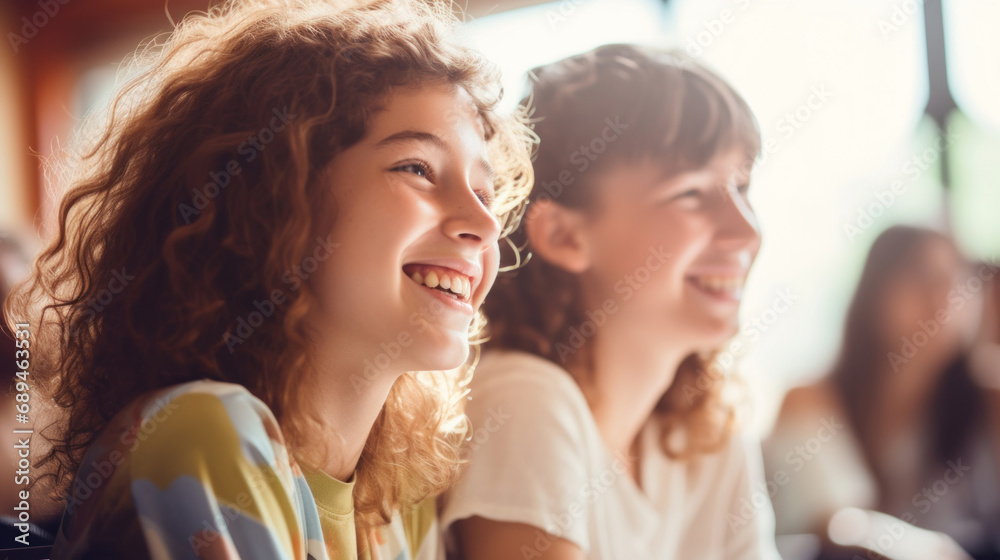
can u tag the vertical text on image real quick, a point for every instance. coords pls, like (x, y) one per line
(22, 476)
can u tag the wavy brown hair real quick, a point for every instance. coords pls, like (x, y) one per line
(152, 266)
(671, 109)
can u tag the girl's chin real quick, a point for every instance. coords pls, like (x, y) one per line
(717, 334)
(444, 357)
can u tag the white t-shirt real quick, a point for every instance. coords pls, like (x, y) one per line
(537, 457)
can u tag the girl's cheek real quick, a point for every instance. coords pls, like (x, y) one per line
(491, 264)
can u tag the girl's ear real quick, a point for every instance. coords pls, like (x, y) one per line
(557, 234)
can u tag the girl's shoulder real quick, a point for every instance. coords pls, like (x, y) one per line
(210, 407)
(174, 398)
(528, 390)
(204, 412)
(819, 397)
(193, 420)
(520, 401)
(186, 415)
(174, 458)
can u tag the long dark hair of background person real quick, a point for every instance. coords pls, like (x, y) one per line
(957, 405)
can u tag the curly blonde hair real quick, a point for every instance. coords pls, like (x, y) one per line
(672, 110)
(188, 259)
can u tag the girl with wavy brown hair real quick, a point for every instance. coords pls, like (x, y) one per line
(602, 427)
(258, 307)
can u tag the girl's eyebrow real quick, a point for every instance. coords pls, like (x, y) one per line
(672, 179)
(417, 135)
(431, 138)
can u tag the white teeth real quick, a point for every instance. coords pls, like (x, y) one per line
(458, 285)
(731, 284)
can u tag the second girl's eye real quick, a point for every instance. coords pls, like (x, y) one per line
(486, 197)
(690, 193)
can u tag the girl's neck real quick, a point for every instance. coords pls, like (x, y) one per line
(348, 401)
(623, 386)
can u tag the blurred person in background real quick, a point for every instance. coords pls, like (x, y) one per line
(986, 352)
(899, 426)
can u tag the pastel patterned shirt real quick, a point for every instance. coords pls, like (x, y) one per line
(200, 471)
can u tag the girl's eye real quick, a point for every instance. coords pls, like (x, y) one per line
(690, 193)
(423, 169)
(418, 168)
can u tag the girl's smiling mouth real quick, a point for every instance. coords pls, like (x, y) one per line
(445, 282)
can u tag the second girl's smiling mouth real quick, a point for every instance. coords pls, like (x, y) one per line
(724, 287)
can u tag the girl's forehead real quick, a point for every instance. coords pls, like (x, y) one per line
(440, 108)
(730, 163)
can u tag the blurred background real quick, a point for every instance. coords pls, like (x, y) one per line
(874, 114)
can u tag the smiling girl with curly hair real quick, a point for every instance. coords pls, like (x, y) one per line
(257, 310)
